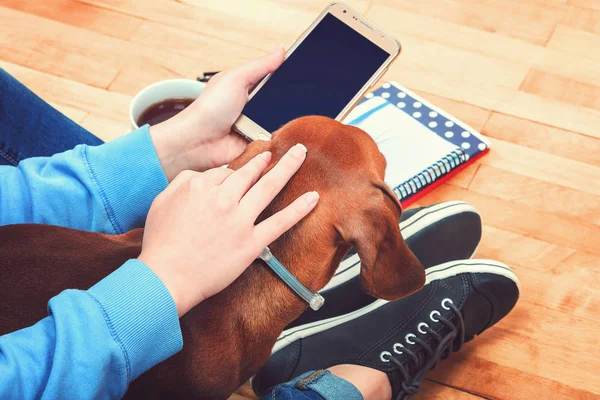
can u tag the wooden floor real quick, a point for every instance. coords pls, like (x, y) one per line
(524, 72)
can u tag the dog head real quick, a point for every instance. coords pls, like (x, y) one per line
(356, 208)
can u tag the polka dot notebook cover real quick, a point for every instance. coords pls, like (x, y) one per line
(422, 144)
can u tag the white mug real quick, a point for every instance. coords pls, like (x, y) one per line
(160, 91)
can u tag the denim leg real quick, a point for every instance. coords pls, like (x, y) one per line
(315, 385)
(30, 127)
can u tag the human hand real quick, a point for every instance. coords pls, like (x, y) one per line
(200, 137)
(200, 233)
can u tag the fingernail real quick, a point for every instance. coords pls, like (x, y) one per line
(265, 156)
(312, 198)
(299, 150)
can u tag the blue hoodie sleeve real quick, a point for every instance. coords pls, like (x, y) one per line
(93, 343)
(107, 188)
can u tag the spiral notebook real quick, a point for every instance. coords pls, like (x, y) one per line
(423, 145)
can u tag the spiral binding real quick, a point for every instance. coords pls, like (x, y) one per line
(430, 174)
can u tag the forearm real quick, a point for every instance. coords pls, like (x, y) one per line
(107, 188)
(95, 342)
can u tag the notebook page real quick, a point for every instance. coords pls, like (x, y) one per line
(407, 145)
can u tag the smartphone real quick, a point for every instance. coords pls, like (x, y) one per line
(326, 72)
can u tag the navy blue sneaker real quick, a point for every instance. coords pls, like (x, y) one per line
(435, 234)
(405, 338)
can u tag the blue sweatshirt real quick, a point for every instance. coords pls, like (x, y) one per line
(93, 343)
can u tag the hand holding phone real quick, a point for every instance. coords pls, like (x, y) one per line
(326, 72)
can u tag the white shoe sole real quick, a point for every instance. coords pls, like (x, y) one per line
(436, 273)
(350, 267)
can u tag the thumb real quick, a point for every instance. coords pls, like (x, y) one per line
(255, 70)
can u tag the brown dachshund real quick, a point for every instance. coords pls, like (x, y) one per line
(230, 335)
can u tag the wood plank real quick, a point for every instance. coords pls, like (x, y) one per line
(215, 24)
(72, 113)
(523, 219)
(46, 45)
(541, 195)
(262, 9)
(109, 62)
(562, 89)
(504, 100)
(54, 89)
(529, 22)
(464, 178)
(583, 19)
(591, 4)
(211, 51)
(575, 41)
(491, 380)
(246, 391)
(106, 128)
(402, 23)
(551, 274)
(430, 390)
(521, 251)
(544, 138)
(419, 53)
(85, 16)
(543, 166)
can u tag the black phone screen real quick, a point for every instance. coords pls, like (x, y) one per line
(319, 78)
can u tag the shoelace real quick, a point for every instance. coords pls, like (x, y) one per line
(448, 343)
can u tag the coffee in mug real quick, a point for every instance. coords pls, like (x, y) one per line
(162, 111)
(161, 100)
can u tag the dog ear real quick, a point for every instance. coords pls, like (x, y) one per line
(389, 269)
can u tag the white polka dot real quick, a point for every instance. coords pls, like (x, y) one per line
(386, 85)
(432, 124)
(369, 95)
(465, 145)
(433, 114)
(449, 134)
(385, 95)
(416, 104)
(449, 124)
(465, 134)
(401, 95)
(417, 114)
(481, 146)
(401, 104)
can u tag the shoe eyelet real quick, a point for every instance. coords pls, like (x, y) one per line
(446, 300)
(396, 346)
(434, 312)
(410, 336)
(385, 353)
(422, 324)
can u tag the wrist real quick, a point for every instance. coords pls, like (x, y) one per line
(171, 282)
(170, 148)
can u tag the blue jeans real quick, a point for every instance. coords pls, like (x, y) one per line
(30, 127)
(315, 385)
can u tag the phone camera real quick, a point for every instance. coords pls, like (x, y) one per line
(344, 11)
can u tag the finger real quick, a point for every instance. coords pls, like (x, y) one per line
(255, 70)
(241, 180)
(265, 190)
(270, 229)
(216, 176)
(182, 177)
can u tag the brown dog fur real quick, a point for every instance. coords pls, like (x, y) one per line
(230, 335)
